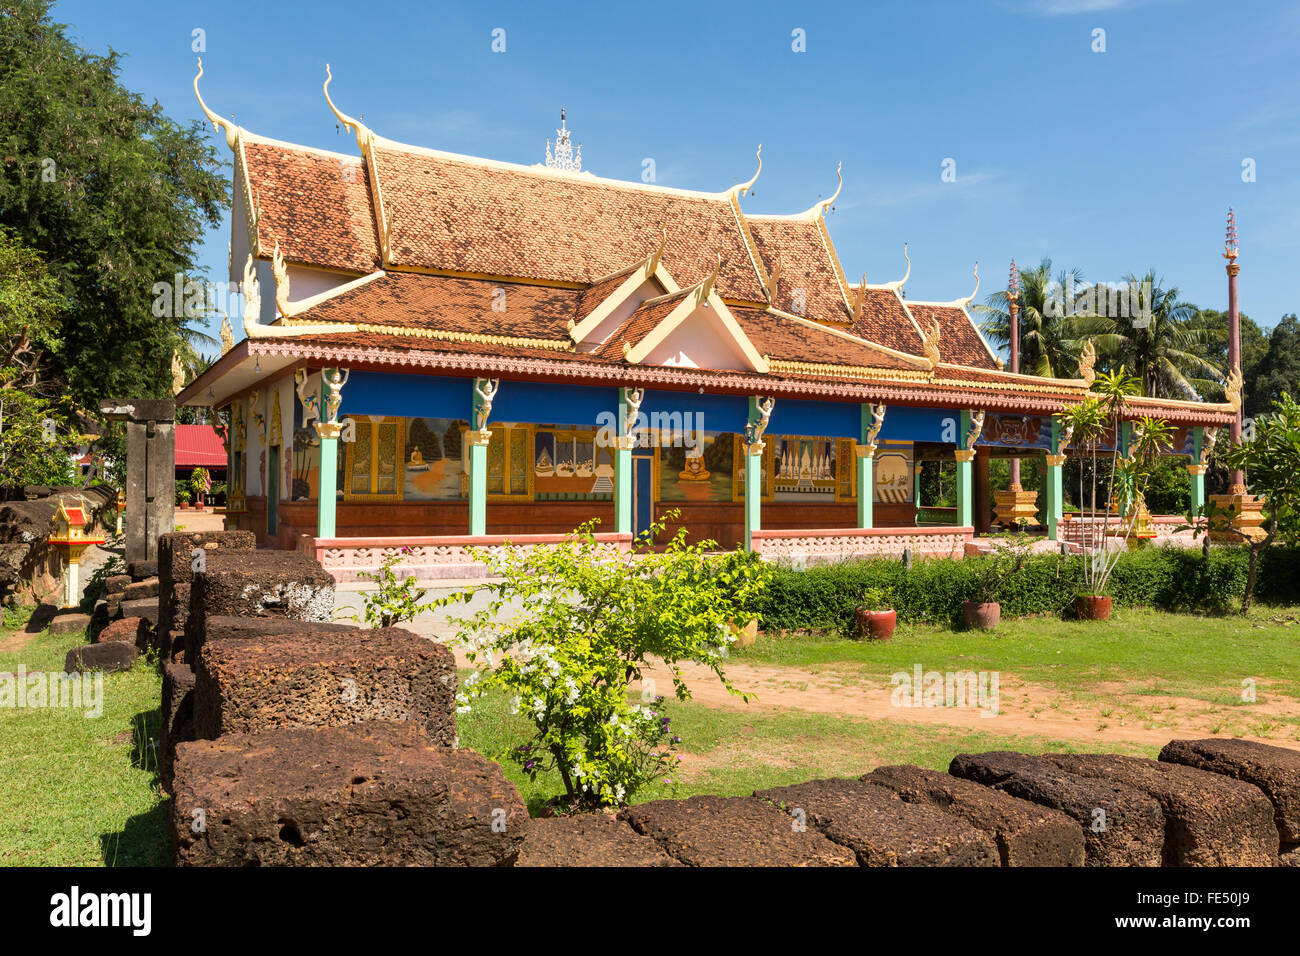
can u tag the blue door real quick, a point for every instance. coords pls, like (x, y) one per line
(641, 493)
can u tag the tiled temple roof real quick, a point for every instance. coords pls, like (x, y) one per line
(960, 342)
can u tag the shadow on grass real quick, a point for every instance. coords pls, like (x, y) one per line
(146, 731)
(143, 841)
(40, 618)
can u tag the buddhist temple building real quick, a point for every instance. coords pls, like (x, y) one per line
(442, 350)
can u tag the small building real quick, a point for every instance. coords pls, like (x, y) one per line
(199, 446)
(443, 349)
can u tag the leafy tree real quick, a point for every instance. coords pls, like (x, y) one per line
(114, 193)
(1278, 371)
(1254, 346)
(1121, 484)
(1271, 460)
(39, 424)
(1049, 343)
(582, 624)
(1163, 342)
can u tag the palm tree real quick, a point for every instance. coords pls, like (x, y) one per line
(1164, 342)
(1049, 338)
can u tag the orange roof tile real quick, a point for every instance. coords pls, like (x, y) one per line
(315, 205)
(453, 214)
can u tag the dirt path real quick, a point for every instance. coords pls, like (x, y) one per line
(1022, 708)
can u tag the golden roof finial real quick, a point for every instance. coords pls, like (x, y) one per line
(360, 129)
(821, 207)
(652, 263)
(227, 335)
(178, 374)
(859, 296)
(219, 123)
(897, 284)
(743, 188)
(1232, 389)
(252, 296)
(971, 298)
(1087, 359)
(930, 344)
(706, 286)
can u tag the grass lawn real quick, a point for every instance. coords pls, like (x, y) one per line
(733, 753)
(81, 791)
(1173, 654)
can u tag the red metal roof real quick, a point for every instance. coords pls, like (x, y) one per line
(199, 445)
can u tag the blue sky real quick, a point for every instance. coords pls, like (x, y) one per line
(1108, 162)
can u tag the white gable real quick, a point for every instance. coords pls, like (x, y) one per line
(701, 340)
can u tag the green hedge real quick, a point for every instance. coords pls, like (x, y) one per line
(1176, 579)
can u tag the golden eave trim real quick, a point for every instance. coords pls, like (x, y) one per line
(920, 377)
(447, 335)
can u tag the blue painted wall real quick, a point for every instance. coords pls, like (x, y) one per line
(551, 403)
(390, 393)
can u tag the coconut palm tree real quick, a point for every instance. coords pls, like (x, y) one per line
(1158, 336)
(1050, 338)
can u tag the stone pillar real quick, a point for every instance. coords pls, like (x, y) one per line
(624, 503)
(150, 471)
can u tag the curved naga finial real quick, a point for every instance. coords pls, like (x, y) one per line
(971, 298)
(252, 297)
(930, 344)
(1232, 389)
(281, 274)
(825, 204)
(360, 129)
(1087, 359)
(706, 286)
(897, 284)
(746, 187)
(219, 123)
(652, 263)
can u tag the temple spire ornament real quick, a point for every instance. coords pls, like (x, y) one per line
(565, 158)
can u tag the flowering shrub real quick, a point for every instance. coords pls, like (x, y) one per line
(395, 600)
(583, 623)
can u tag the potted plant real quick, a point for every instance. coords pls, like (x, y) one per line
(983, 612)
(1094, 422)
(183, 498)
(874, 617)
(200, 482)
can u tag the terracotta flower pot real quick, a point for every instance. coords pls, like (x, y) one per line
(981, 615)
(1092, 607)
(876, 625)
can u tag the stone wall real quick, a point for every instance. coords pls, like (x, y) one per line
(30, 570)
(290, 741)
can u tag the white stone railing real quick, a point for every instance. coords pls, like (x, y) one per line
(429, 558)
(806, 547)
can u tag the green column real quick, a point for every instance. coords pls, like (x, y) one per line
(623, 502)
(1196, 471)
(327, 500)
(1054, 483)
(753, 475)
(965, 475)
(478, 449)
(866, 465)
